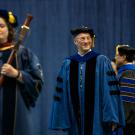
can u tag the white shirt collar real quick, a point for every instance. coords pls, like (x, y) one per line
(128, 63)
(84, 53)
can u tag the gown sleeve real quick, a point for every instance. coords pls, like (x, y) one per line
(32, 76)
(59, 119)
(112, 107)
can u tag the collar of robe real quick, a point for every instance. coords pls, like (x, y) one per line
(6, 46)
(84, 58)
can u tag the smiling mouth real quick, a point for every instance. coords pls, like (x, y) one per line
(86, 45)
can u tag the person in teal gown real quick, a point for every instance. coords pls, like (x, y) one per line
(23, 80)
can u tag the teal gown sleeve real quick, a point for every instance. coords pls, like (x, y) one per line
(107, 106)
(59, 118)
(109, 99)
(32, 76)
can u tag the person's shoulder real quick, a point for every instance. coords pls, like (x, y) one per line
(25, 50)
(103, 59)
(22, 49)
(101, 56)
(26, 53)
(66, 61)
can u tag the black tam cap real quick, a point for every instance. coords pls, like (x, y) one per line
(9, 17)
(126, 50)
(82, 29)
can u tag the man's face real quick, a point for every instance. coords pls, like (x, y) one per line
(83, 42)
(120, 60)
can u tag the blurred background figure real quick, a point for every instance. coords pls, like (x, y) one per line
(126, 75)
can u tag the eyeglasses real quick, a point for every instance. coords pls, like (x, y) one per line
(84, 38)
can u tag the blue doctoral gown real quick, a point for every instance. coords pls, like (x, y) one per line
(85, 105)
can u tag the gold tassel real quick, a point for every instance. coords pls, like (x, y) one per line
(11, 18)
(116, 51)
(93, 44)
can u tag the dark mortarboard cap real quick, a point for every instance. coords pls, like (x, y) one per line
(82, 29)
(126, 50)
(9, 17)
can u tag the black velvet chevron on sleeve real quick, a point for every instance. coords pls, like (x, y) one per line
(58, 89)
(114, 92)
(110, 83)
(56, 98)
(110, 73)
(59, 79)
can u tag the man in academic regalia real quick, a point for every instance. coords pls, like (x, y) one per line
(126, 74)
(86, 99)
